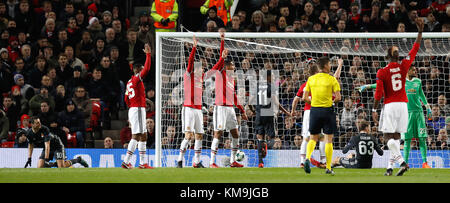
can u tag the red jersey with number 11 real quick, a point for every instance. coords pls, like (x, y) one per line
(392, 78)
(135, 92)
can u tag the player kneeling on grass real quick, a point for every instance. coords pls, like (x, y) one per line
(40, 136)
(365, 145)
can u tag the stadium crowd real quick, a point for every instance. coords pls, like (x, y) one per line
(67, 62)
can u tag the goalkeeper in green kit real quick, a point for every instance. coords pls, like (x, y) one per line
(416, 121)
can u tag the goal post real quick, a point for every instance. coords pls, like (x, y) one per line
(281, 50)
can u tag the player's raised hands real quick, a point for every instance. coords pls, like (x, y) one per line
(224, 53)
(147, 49)
(194, 41)
(340, 62)
(420, 24)
(222, 35)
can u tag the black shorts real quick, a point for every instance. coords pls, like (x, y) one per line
(322, 119)
(58, 154)
(264, 125)
(348, 162)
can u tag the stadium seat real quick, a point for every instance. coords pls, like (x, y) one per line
(8, 145)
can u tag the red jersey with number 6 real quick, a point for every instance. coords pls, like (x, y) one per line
(392, 78)
(135, 91)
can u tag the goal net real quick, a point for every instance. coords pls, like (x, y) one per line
(289, 55)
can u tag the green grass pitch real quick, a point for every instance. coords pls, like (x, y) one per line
(220, 175)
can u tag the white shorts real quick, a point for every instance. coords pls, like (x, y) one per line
(305, 124)
(394, 118)
(224, 118)
(136, 116)
(192, 120)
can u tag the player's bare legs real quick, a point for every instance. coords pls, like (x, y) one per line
(234, 148)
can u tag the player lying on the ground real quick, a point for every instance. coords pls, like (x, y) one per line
(40, 136)
(416, 122)
(365, 145)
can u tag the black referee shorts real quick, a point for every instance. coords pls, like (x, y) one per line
(322, 119)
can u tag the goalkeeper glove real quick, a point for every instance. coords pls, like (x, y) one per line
(428, 113)
(362, 88)
(28, 163)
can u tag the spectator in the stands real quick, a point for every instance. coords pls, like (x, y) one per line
(212, 16)
(108, 143)
(36, 100)
(257, 22)
(71, 121)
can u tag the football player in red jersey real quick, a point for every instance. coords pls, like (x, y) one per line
(224, 116)
(394, 117)
(191, 114)
(135, 99)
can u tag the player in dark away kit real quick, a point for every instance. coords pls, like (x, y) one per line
(39, 136)
(365, 145)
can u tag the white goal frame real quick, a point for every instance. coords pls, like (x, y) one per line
(241, 35)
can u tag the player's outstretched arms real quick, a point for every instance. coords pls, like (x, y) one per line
(363, 88)
(190, 67)
(337, 74)
(420, 25)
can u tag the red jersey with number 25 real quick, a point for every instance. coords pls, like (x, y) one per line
(135, 92)
(392, 78)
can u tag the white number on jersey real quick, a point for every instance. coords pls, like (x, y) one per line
(365, 148)
(396, 83)
(130, 90)
(262, 93)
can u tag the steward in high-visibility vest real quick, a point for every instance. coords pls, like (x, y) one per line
(223, 9)
(165, 15)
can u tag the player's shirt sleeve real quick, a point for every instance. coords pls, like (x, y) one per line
(380, 86)
(190, 67)
(406, 63)
(377, 147)
(44, 130)
(219, 65)
(300, 90)
(350, 144)
(336, 87)
(146, 69)
(307, 86)
(222, 46)
(421, 94)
